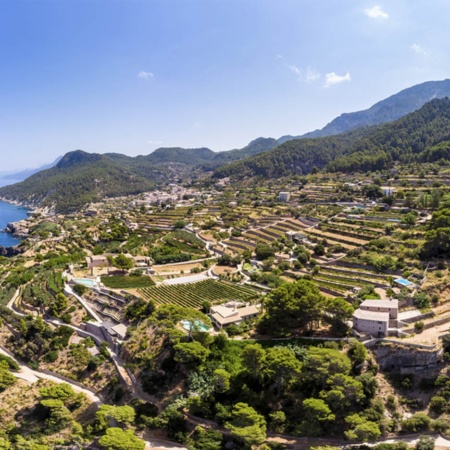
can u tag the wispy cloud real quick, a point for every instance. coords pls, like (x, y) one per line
(308, 75)
(376, 13)
(145, 75)
(154, 142)
(333, 78)
(419, 49)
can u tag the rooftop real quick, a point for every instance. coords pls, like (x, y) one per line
(371, 315)
(380, 304)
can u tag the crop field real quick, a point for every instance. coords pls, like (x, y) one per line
(193, 295)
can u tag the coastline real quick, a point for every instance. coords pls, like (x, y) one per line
(12, 233)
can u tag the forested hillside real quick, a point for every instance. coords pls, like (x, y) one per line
(423, 135)
(77, 179)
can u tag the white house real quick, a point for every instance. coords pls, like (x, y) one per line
(284, 196)
(376, 316)
(375, 323)
(232, 313)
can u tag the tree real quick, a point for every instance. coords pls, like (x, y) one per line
(191, 354)
(207, 439)
(121, 414)
(321, 363)
(179, 224)
(118, 439)
(281, 366)
(122, 262)
(351, 389)
(339, 311)
(438, 404)
(357, 351)
(277, 421)
(418, 422)
(6, 377)
(372, 191)
(57, 415)
(425, 443)
(264, 251)
(319, 250)
(221, 380)
(361, 429)
(253, 360)
(292, 307)
(246, 425)
(318, 414)
(59, 304)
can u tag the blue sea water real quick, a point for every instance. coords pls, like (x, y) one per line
(10, 213)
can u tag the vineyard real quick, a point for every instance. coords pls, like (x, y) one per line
(193, 295)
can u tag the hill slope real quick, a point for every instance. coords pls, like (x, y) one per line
(77, 179)
(387, 110)
(423, 135)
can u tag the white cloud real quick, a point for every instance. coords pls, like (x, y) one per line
(376, 13)
(308, 75)
(154, 142)
(333, 78)
(279, 56)
(419, 49)
(145, 75)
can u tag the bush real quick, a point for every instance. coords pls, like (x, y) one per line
(420, 300)
(419, 326)
(438, 404)
(418, 422)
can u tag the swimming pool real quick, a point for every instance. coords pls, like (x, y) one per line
(85, 282)
(198, 326)
(403, 282)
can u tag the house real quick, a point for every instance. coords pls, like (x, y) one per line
(376, 317)
(284, 196)
(295, 235)
(96, 261)
(141, 261)
(388, 190)
(375, 323)
(232, 313)
(389, 306)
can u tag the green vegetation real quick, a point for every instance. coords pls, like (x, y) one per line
(194, 294)
(127, 281)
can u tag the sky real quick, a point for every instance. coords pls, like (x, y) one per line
(129, 76)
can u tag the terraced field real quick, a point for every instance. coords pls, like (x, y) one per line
(193, 295)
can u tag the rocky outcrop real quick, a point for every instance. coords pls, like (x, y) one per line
(18, 229)
(9, 251)
(407, 359)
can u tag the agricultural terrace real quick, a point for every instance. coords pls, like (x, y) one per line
(195, 294)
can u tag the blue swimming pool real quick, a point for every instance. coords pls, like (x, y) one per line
(85, 282)
(198, 326)
(403, 282)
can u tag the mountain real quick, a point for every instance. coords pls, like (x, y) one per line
(255, 147)
(14, 177)
(421, 136)
(78, 178)
(388, 110)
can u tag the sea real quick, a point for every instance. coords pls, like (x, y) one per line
(10, 213)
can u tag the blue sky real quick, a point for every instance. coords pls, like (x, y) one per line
(131, 76)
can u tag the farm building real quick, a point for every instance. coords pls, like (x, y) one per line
(96, 261)
(375, 316)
